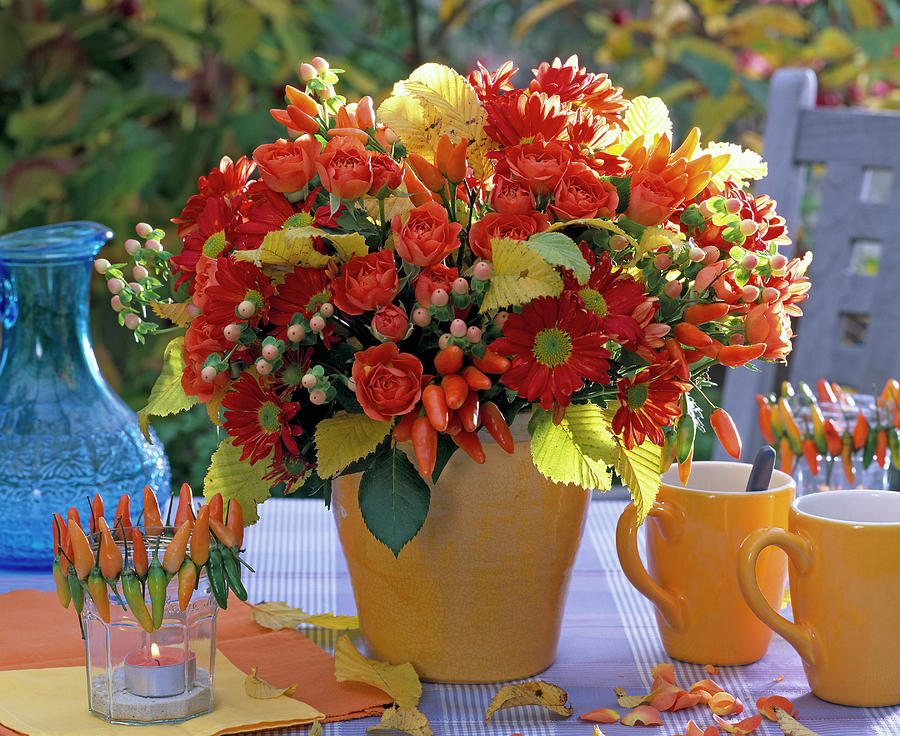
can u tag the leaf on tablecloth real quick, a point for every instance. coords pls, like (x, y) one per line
(598, 732)
(258, 688)
(630, 701)
(399, 681)
(315, 729)
(536, 692)
(398, 721)
(790, 726)
(277, 615)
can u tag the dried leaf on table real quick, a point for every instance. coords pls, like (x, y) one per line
(399, 681)
(598, 732)
(767, 703)
(790, 726)
(630, 701)
(315, 729)
(397, 721)
(276, 615)
(258, 688)
(536, 692)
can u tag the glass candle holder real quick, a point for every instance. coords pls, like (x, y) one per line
(165, 676)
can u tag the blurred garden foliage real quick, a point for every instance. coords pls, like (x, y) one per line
(111, 109)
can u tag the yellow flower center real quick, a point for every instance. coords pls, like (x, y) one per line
(593, 301)
(636, 396)
(552, 347)
(301, 219)
(215, 244)
(268, 415)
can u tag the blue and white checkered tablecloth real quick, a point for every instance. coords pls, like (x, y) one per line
(609, 638)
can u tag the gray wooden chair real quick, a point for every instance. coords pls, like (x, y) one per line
(850, 329)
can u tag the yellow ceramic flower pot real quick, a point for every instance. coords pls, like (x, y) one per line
(478, 594)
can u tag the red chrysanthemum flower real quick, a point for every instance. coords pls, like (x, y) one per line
(649, 401)
(234, 282)
(589, 131)
(258, 421)
(292, 470)
(267, 211)
(301, 291)
(490, 84)
(224, 182)
(520, 117)
(613, 296)
(573, 83)
(554, 346)
(214, 235)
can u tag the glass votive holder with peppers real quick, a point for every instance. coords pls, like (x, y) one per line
(147, 604)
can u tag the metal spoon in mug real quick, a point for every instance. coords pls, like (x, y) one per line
(761, 472)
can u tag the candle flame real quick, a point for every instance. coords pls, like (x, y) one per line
(154, 650)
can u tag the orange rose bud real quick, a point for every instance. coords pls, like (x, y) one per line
(365, 113)
(418, 191)
(348, 132)
(301, 121)
(442, 154)
(456, 164)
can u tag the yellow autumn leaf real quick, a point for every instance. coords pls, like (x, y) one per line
(258, 688)
(396, 721)
(646, 116)
(399, 681)
(167, 396)
(520, 275)
(638, 468)
(536, 692)
(599, 224)
(277, 615)
(235, 479)
(344, 438)
(175, 312)
(286, 249)
(535, 14)
(578, 450)
(653, 238)
(630, 701)
(743, 165)
(789, 725)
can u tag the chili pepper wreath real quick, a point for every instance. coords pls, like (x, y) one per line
(473, 251)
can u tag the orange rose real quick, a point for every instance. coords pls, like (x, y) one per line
(581, 193)
(540, 164)
(652, 202)
(499, 225)
(200, 341)
(431, 278)
(366, 283)
(287, 166)
(388, 382)
(345, 167)
(390, 323)
(511, 196)
(386, 174)
(427, 236)
(768, 323)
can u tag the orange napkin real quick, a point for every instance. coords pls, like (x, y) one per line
(35, 631)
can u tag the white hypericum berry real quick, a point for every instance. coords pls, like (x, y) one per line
(140, 273)
(101, 265)
(135, 287)
(618, 242)
(696, 254)
(778, 261)
(421, 317)
(736, 339)
(444, 340)
(317, 324)
(143, 229)
(307, 72)
(116, 303)
(482, 270)
(749, 293)
(246, 308)
(706, 208)
(473, 334)
(500, 319)
(458, 328)
(132, 321)
(154, 245)
(263, 367)
(672, 289)
(232, 332)
(712, 254)
(326, 310)
(319, 64)
(295, 333)
(309, 380)
(748, 227)
(115, 285)
(662, 261)
(270, 352)
(770, 294)
(440, 297)
(750, 261)
(733, 205)
(461, 286)
(351, 384)
(132, 246)
(327, 92)
(208, 374)
(317, 396)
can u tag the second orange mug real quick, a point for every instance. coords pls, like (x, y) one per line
(693, 536)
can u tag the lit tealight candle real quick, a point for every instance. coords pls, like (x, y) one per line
(159, 673)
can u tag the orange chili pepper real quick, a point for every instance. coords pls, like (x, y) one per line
(786, 454)
(81, 548)
(712, 350)
(667, 456)
(826, 395)
(449, 360)
(185, 506)
(403, 431)
(442, 153)
(365, 112)
(345, 119)
(73, 514)
(897, 419)
(455, 389)
(216, 507)
(301, 121)
(435, 402)
(418, 192)
(427, 173)
(424, 439)
(832, 438)
(684, 468)
(200, 537)
(187, 581)
(470, 443)
(174, 555)
(152, 520)
(790, 426)
(476, 379)
(301, 100)
(470, 412)
(99, 593)
(709, 312)
(738, 355)
(122, 521)
(860, 432)
(847, 457)
(456, 163)
(881, 444)
(707, 275)
(765, 422)
(491, 362)
(676, 353)
(454, 426)
(236, 521)
(811, 453)
(691, 335)
(225, 535)
(494, 422)
(723, 425)
(60, 536)
(139, 560)
(96, 512)
(891, 389)
(110, 557)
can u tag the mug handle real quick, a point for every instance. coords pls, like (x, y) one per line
(670, 605)
(800, 553)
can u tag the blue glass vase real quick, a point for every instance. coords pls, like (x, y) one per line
(64, 434)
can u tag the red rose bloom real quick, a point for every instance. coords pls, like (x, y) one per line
(427, 236)
(366, 283)
(511, 196)
(345, 168)
(499, 225)
(287, 166)
(540, 164)
(431, 278)
(388, 382)
(651, 200)
(390, 323)
(386, 173)
(581, 193)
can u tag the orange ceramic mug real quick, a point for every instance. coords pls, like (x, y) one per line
(693, 537)
(844, 550)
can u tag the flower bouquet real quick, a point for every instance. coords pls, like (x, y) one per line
(471, 252)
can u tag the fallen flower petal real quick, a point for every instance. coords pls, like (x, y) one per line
(601, 715)
(643, 715)
(707, 686)
(766, 704)
(686, 700)
(694, 730)
(664, 671)
(711, 669)
(664, 700)
(725, 704)
(741, 728)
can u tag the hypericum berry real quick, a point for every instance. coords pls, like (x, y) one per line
(115, 285)
(461, 286)
(101, 265)
(672, 289)
(116, 303)
(351, 384)
(662, 261)
(295, 333)
(439, 297)
(473, 334)
(500, 319)
(770, 294)
(263, 367)
(482, 270)
(317, 324)
(444, 340)
(696, 254)
(270, 352)
(132, 246)
(706, 208)
(154, 245)
(327, 92)
(309, 380)
(246, 308)
(458, 328)
(712, 254)
(736, 339)
(135, 287)
(778, 261)
(733, 205)
(193, 310)
(319, 64)
(209, 374)
(618, 242)
(421, 317)
(749, 293)
(317, 397)
(140, 273)
(750, 261)
(748, 227)
(307, 72)
(143, 229)
(232, 332)
(132, 321)
(326, 310)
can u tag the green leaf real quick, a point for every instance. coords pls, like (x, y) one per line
(560, 250)
(393, 499)
(647, 116)
(574, 450)
(167, 396)
(238, 480)
(344, 438)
